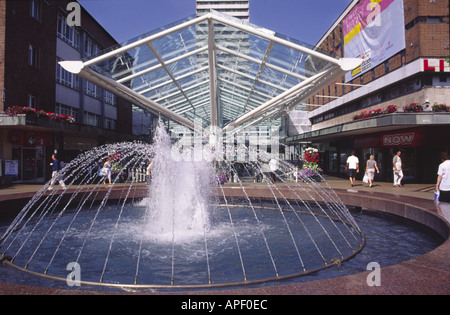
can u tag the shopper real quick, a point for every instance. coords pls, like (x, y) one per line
(443, 181)
(397, 167)
(56, 175)
(352, 168)
(371, 167)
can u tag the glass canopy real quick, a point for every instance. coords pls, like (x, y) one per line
(213, 70)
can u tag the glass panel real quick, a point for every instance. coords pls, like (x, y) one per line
(256, 70)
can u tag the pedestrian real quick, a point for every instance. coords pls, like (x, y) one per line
(107, 171)
(443, 181)
(56, 175)
(352, 168)
(273, 165)
(371, 167)
(398, 172)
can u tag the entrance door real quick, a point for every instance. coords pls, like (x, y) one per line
(29, 164)
(32, 164)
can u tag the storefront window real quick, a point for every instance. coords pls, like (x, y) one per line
(31, 164)
(333, 161)
(343, 162)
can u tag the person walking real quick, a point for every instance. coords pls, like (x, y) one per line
(443, 181)
(107, 171)
(352, 168)
(56, 176)
(273, 165)
(398, 172)
(371, 167)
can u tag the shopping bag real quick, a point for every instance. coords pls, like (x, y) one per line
(366, 179)
(436, 195)
(103, 172)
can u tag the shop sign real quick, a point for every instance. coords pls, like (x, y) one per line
(401, 139)
(436, 65)
(30, 139)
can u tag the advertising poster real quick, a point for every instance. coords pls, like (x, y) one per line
(12, 168)
(374, 31)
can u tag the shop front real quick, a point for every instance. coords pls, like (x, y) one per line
(420, 149)
(385, 145)
(29, 156)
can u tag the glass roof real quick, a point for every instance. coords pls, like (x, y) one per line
(212, 68)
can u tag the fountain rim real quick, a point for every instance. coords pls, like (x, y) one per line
(7, 262)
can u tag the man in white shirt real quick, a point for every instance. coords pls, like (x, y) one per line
(397, 166)
(273, 165)
(352, 168)
(443, 181)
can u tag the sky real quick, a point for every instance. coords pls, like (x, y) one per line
(304, 20)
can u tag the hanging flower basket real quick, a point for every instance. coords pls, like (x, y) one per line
(311, 170)
(413, 108)
(441, 108)
(376, 112)
(222, 178)
(33, 114)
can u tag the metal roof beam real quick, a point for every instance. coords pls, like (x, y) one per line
(78, 68)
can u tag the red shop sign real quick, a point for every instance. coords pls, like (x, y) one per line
(403, 139)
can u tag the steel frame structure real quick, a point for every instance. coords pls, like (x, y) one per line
(228, 73)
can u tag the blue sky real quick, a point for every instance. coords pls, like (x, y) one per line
(303, 20)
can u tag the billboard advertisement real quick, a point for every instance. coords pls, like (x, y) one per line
(374, 31)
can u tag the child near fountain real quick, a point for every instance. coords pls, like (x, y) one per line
(107, 171)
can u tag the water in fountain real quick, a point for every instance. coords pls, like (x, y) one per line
(185, 229)
(178, 198)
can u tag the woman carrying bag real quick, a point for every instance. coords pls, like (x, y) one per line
(371, 167)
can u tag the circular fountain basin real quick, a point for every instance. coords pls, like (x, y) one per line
(121, 248)
(405, 251)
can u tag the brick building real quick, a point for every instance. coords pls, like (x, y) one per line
(414, 71)
(34, 36)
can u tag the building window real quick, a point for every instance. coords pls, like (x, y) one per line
(90, 47)
(67, 110)
(92, 90)
(91, 119)
(65, 77)
(33, 100)
(68, 34)
(33, 56)
(110, 98)
(36, 9)
(110, 124)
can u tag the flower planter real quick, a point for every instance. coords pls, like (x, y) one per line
(32, 115)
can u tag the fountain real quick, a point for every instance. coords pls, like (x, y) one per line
(187, 228)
